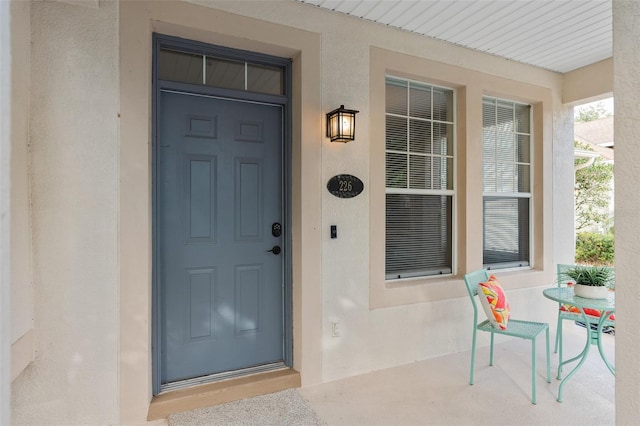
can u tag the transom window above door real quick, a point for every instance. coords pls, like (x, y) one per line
(220, 72)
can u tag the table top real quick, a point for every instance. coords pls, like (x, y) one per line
(566, 295)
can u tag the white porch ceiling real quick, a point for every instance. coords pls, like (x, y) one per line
(558, 35)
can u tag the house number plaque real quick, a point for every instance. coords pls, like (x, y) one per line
(345, 186)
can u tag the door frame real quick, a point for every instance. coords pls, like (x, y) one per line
(183, 45)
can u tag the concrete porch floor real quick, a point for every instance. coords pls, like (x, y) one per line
(437, 391)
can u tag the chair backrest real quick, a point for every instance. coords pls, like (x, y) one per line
(471, 280)
(562, 278)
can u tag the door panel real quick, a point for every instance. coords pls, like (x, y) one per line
(248, 191)
(219, 190)
(200, 195)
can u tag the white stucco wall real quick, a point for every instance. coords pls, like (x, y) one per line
(564, 246)
(5, 144)
(22, 309)
(74, 139)
(588, 83)
(626, 90)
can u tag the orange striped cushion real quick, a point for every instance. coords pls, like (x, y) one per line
(494, 302)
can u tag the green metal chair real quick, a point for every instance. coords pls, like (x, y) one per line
(562, 280)
(516, 328)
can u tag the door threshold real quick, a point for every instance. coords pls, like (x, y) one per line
(222, 391)
(173, 386)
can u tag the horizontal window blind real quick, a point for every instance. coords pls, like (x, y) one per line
(506, 232)
(419, 179)
(418, 235)
(506, 182)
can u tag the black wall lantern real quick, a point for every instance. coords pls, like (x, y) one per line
(341, 124)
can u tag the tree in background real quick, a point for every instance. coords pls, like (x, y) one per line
(593, 187)
(591, 113)
(593, 183)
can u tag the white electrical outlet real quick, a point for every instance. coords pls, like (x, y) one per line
(335, 329)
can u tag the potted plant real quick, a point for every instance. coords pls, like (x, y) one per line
(592, 282)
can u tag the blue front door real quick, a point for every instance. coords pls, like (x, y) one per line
(218, 210)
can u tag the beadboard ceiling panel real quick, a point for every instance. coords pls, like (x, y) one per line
(558, 35)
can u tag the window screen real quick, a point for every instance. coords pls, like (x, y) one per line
(419, 179)
(506, 143)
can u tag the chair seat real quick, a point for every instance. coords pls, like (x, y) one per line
(516, 328)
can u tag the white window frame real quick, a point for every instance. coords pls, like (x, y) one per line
(446, 192)
(510, 194)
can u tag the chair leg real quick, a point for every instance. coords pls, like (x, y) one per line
(533, 370)
(558, 334)
(473, 356)
(548, 356)
(491, 351)
(559, 339)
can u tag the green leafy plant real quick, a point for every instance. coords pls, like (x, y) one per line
(594, 249)
(598, 276)
(593, 186)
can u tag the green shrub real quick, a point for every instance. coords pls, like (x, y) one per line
(594, 249)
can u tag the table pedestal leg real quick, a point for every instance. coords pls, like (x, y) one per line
(592, 338)
(603, 318)
(582, 356)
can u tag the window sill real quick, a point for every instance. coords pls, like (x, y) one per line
(411, 281)
(392, 293)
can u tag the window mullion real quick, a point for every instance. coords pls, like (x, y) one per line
(408, 147)
(431, 139)
(496, 148)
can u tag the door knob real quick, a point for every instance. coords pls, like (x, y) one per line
(275, 250)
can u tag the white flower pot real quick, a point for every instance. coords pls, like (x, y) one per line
(591, 291)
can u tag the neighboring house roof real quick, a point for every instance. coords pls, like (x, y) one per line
(598, 134)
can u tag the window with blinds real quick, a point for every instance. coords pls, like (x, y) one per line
(419, 179)
(506, 149)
